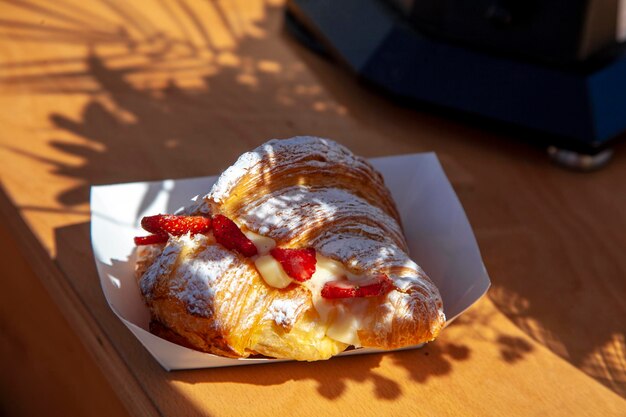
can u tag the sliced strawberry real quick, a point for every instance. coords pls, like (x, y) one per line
(176, 225)
(378, 285)
(152, 223)
(231, 237)
(339, 289)
(381, 286)
(299, 264)
(151, 239)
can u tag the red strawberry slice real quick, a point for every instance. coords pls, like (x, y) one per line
(231, 237)
(378, 285)
(299, 264)
(176, 225)
(381, 286)
(151, 239)
(339, 289)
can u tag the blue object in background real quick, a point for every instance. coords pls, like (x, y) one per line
(580, 106)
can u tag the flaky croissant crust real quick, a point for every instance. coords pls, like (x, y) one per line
(301, 192)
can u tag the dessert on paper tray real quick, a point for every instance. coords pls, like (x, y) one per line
(296, 252)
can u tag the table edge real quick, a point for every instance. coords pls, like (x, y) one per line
(122, 380)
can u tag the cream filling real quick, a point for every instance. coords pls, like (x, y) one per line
(272, 272)
(342, 318)
(263, 244)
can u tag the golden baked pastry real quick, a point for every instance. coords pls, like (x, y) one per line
(324, 264)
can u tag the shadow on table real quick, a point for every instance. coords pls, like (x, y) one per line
(171, 96)
(332, 377)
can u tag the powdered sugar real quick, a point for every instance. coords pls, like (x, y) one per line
(164, 264)
(275, 156)
(231, 176)
(293, 208)
(195, 282)
(282, 312)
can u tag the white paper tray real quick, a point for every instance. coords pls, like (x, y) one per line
(440, 239)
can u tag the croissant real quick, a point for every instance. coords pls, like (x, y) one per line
(296, 252)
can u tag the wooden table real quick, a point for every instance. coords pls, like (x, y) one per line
(96, 92)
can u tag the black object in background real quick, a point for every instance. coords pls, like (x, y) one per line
(559, 31)
(578, 106)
